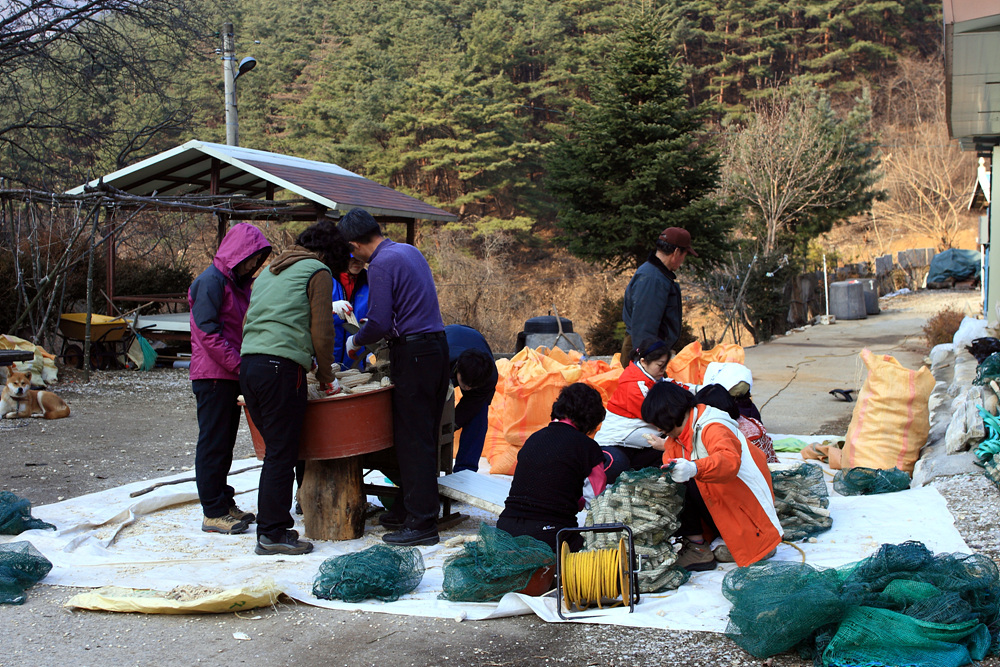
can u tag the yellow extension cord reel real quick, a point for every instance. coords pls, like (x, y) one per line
(604, 578)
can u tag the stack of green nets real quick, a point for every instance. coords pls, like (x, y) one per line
(648, 502)
(380, 572)
(988, 369)
(21, 567)
(868, 481)
(801, 500)
(901, 606)
(494, 565)
(15, 515)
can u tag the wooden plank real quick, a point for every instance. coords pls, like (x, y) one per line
(486, 492)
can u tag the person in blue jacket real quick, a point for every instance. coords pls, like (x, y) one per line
(474, 371)
(350, 294)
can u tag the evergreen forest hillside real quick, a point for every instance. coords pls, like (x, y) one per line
(465, 104)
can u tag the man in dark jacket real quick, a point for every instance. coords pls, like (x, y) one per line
(652, 299)
(474, 371)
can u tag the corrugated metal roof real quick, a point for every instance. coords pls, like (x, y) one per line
(972, 72)
(244, 171)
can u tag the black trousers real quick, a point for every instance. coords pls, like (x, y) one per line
(274, 389)
(629, 458)
(420, 377)
(218, 422)
(544, 531)
(695, 518)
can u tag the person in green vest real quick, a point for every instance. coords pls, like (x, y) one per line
(288, 324)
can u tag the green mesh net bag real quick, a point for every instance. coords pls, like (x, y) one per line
(869, 481)
(15, 515)
(380, 572)
(988, 369)
(21, 567)
(903, 605)
(494, 565)
(861, 640)
(648, 502)
(801, 500)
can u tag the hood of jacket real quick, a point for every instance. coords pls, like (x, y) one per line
(240, 242)
(289, 256)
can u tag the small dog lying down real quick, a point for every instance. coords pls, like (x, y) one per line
(20, 400)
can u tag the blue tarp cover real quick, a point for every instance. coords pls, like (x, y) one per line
(956, 263)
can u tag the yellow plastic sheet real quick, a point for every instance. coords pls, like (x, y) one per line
(114, 598)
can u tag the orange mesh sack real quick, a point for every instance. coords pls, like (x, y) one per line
(891, 417)
(689, 365)
(529, 384)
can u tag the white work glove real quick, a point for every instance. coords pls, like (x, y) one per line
(353, 350)
(331, 388)
(681, 470)
(342, 309)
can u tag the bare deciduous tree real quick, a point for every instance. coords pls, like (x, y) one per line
(797, 168)
(928, 179)
(72, 74)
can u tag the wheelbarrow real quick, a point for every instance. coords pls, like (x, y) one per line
(107, 339)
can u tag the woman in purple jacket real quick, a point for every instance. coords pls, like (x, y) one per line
(218, 299)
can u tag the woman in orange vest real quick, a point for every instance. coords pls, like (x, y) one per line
(728, 483)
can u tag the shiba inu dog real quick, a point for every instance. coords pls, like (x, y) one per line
(20, 400)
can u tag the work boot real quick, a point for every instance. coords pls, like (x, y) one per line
(722, 554)
(240, 515)
(391, 520)
(226, 524)
(288, 544)
(695, 557)
(410, 537)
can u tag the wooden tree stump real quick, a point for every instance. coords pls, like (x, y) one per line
(333, 505)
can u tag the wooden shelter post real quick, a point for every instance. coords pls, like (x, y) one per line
(110, 255)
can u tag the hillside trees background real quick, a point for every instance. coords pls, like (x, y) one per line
(462, 102)
(636, 160)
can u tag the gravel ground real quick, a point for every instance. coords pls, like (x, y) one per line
(129, 426)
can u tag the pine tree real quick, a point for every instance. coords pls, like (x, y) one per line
(636, 160)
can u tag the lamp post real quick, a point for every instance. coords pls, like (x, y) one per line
(230, 72)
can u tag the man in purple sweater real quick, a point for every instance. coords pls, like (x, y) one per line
(404, 309)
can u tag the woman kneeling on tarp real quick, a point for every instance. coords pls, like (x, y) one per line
(728, 483)
(558, 469)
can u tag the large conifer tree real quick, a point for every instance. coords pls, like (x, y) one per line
(636, 159)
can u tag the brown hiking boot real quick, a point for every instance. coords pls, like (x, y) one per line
(225, 524)
(241, 515)
(722, 554)
(695, 557)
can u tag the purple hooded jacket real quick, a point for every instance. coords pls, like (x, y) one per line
(219, 301)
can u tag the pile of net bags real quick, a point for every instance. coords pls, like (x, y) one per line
(493, 565)
(987, 370)
(901, 606)
(380, 572)
(15, 515)
(801, 499)
(648, 502)
(21, 567)
(869, 481)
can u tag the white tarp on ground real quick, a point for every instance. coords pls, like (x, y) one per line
(155, 542)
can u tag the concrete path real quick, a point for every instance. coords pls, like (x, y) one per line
(793, 374)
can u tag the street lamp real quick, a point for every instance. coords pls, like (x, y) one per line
(230, 72)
